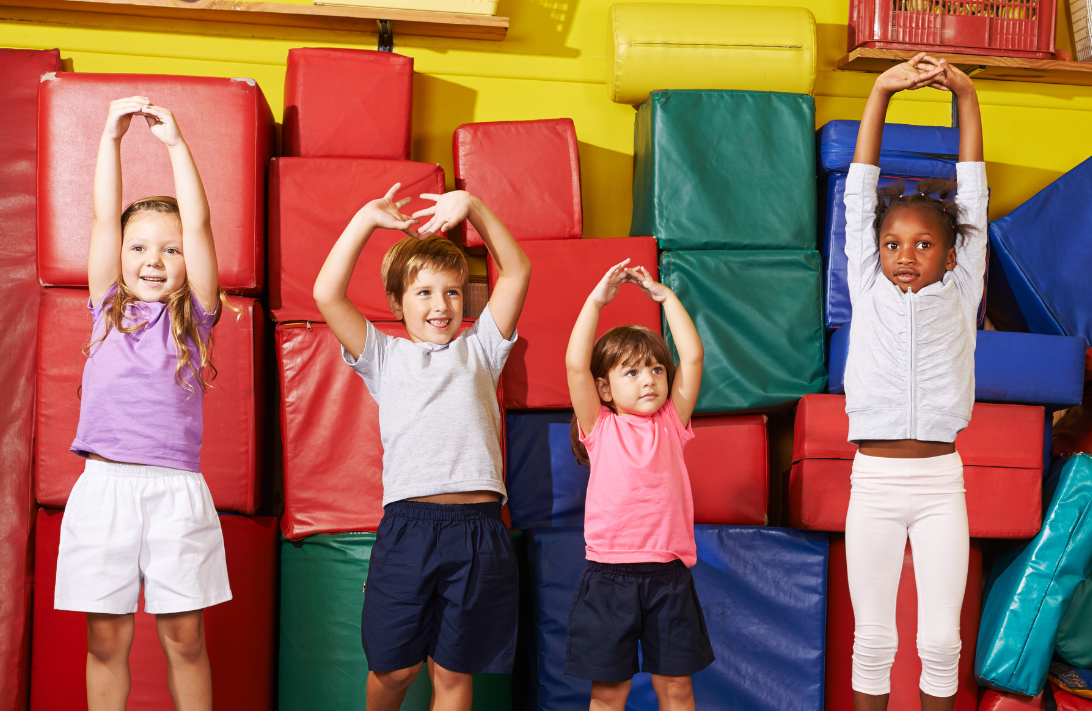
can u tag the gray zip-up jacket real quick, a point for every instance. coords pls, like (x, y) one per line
(910, 368)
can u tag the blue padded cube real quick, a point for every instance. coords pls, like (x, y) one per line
(546, 486)
(909, 151)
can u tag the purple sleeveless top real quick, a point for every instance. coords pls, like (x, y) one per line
(132, 409)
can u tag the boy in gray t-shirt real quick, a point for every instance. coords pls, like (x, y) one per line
(442, 581)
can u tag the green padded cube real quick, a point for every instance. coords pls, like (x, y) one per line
(725, 170)
(760, 319)
(322, 663)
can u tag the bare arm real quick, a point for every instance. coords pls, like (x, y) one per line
(906, 76)
(332, 285)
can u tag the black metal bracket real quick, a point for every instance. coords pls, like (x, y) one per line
(386, 36)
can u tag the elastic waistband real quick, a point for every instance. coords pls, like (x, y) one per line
(925, 466)
(426, 511)
(638, 570)
(143, 471)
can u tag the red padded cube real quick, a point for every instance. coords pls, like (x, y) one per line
(228, 127)
(238, 633)
(728, 463)
(906, 672)
(311, 200)
(527, 172)
(1001, 449)
(347, 103)
(1000, 701)
(233, 408)
(564, 272)
(1066, 701)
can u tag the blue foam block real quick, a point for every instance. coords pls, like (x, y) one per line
(546, 487)
(1031, 590)
(763, 592)
(910, 151)
(1046, 255)
(1026, 368)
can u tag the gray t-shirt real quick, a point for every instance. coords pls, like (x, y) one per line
(439, 420)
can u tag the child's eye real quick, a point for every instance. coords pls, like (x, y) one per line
(172, 250)
(631, 372)
(924, 245)
(658, 370)
(424, 292)
(453, 292)
(891, 245)
(137, 248)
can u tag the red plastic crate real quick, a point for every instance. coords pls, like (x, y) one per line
(1003, 28)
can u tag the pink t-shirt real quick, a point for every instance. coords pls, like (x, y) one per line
(639, 508)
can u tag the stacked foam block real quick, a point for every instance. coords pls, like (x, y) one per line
(229, 128)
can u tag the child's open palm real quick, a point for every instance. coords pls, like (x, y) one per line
(450, 209)
(652, 288)
(921, 70)
(386, 213)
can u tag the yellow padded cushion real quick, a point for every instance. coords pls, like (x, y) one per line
(667, 46)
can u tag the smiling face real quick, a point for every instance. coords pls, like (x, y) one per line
(152, 266)
(635, 388)
(915, 250)
(432, 307)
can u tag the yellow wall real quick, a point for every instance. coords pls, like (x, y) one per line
(552, 65)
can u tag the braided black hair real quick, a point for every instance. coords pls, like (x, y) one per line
(942, 207)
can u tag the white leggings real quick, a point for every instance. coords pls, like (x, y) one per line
(891, 497)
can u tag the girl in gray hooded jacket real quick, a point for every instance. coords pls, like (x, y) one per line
(915, 275)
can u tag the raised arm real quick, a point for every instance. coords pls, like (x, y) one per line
(684, 391)
(513, 266)
(104, 256)
(582, 389)
(920, 71)
(332, 285)
(198, 248)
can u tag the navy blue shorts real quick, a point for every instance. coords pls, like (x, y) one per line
(442, 583)
(619, 605)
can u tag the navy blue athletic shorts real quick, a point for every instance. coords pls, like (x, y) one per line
(619, 605)
(442, 583)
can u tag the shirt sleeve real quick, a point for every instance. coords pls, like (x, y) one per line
(369, 365)
(973, 199)
(589, 440)
(671, 415)
(862, 253)
(495, 345)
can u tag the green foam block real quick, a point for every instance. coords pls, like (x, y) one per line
(322, 663)
(759, 315)
(1074, 640)
(725, 170)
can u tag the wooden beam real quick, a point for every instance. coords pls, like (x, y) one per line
(1042, 71)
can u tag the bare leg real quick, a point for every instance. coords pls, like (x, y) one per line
(869, 702)
(109, 638)
(675, 693)
(189, 676)
(935, 703)
(451, 691)
(609, 696)
(387, 689)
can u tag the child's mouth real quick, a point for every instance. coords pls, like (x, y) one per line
(440, 324)
(905, 276)
(153, 280)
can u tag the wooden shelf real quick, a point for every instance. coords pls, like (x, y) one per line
(315, 17)
(1043, 71)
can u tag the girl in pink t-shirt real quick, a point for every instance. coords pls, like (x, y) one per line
(632, 419)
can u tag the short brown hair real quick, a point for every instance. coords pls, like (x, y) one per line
(623, 345)
(409, 256)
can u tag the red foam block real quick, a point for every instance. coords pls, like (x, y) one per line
(347, 103)
(228, 127)
(527, 172)
(1000, 701)
(233, 407)
(728, 463)
(238, 633)
(564, 272)
(311, 200)
(906, 672)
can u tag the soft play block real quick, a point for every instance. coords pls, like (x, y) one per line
(761, 589)
(347, 103)
(1022, 609)
(1031, 244)
(725, 170)
(906, 671)
(1074, 640)
(20, 296)
(311, 200)
(534, 376)
(654, 46)
(322, 663)
(993, 700)
(527, 172)
(905, 150)
(1001, 449)
(233, 408)
(238, 633)
(727, 462)
(228, 127)
(1008, 367)
(759, 317)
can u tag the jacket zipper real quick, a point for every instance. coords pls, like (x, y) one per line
(912, 380)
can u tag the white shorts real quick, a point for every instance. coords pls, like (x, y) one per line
(128, 523)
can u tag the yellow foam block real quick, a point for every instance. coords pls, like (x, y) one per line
(667, 46)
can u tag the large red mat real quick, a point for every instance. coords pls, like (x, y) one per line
(728, 464)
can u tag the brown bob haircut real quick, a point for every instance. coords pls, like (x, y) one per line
(410, 256)
(623, 346)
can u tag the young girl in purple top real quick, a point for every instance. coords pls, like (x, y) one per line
(141, 511)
